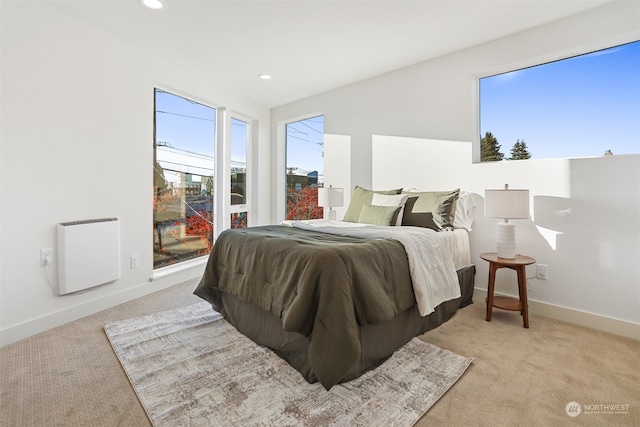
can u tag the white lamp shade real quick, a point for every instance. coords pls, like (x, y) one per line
(506, 204)
(330, 197)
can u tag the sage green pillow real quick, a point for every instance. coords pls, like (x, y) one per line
(378, 215)
(359, 197)
(431, 209)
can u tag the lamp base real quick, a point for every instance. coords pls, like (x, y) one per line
(331, 215)
(506, 240)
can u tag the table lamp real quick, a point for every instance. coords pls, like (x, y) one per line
(330, 197)
(506, 204)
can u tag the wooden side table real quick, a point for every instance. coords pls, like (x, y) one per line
(518, 264)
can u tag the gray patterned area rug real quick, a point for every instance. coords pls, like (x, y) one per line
(189, 367)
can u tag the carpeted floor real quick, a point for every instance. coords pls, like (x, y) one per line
(69, 376)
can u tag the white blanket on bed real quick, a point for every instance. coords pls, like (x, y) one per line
(430, 262)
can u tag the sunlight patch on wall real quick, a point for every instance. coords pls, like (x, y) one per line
(551, 236)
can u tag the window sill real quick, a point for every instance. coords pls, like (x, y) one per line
(163, 272)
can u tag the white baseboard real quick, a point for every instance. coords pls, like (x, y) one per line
(51, 320)
(48, 321)
(577, 317)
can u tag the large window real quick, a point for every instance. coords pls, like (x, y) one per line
(583, 106)
(304, 163)
(183, 179)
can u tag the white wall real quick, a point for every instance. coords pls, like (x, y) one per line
(584, 226)
(593, 260)
(337, 168)
(77, 141)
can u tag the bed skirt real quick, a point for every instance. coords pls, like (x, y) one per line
(378, 342)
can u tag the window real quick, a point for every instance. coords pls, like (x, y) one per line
(238, 172)
(582, 106)
(183, 179)
(304, 167)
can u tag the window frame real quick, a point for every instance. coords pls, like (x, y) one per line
(280, 173)
(554, 56)
(246, 206)
(221, 171)
(163, 269)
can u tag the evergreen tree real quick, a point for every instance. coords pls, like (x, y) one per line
(490, 149)
(519, 151)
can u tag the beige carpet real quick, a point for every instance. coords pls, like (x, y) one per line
(190, 367)
(70, 376)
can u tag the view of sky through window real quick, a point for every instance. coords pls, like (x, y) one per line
(305, 145)
(576, 107)
(188, 128)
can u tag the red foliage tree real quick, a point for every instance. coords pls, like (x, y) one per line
(303, 204)
(199, 225)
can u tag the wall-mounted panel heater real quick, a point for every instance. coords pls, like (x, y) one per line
(88, 254)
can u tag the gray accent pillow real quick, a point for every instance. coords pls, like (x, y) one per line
(378, 215)
(431, 209)
(359, 197)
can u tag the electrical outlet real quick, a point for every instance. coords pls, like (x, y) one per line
(46, 256)
(135, 261)
(542, 272)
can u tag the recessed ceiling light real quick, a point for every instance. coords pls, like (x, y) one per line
(153, 4)
(264, 76)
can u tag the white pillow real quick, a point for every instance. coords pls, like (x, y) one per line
(464, 214)
(391, 200)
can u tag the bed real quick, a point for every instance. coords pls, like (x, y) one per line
(337, 298)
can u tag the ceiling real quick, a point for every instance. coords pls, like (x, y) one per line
(309, 47)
